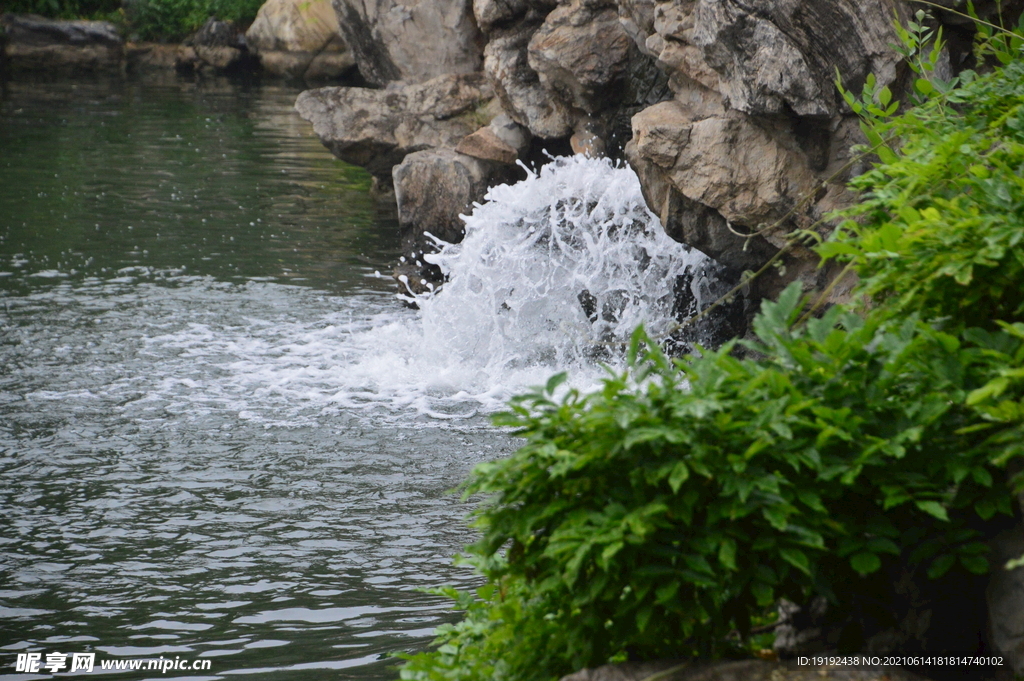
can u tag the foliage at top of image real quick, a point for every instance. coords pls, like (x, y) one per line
(664, 515)
(63, 9)
(159, 20)
(177, 19)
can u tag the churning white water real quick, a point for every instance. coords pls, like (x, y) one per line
(554, 270)
(554, 274)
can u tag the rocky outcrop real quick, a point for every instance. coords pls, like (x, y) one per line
(218, 47)
(376, 129)
(747, 670)
(726, 109)
(33, 44)
(779, 57)
(565, 70)
(523, 97)
(432, 189)
(299, 39)
(412, 41)
(435, 143)
(740, 155)
(502, 140)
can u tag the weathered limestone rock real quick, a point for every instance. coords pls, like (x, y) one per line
(570, 69)
(376, 129)
(511, 133)
(410, 40)
(299, 39)
(35, 44)
(334, 61)
(747, 670)
(145, 57)
(518, 86)
(582, 52)
(217, 47)
(724, 162)
(491, 13)
(215, 33)
(773, 56)
(218, 58)
(755, 123)
(433, 187)
(289, 26)
(485, 145)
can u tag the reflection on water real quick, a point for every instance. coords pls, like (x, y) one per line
(181, 270)
(225, 181)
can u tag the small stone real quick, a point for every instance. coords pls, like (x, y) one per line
(33, 44)
(587, 143)
(484, 144)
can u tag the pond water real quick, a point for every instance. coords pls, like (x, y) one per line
(195, 457)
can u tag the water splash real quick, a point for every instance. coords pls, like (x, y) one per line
(557, 271)
(553, 275)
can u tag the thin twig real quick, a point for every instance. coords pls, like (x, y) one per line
(824, 295)
(962, 14)
(665, 673)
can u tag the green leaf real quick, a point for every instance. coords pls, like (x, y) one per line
(993, 388)
(667, 593)
(680, 474)
(985, 509)
(933, 508)
(727, 554)
(763, 593)
(643, 618)
(797, 559)
(975, 564)
(865, 563)
(941, 565)
(884, 96)
(554, 382)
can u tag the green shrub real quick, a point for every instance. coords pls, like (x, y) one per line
(176, 19)
(655, 518)
(665, 514)
(939, 231)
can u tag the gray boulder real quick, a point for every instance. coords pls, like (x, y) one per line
(33, 44)
(412, 41)
(376, 129)
(523, 97)
(582, 53)
(299, 39)
(433, 187)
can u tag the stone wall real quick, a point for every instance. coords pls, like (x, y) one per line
(727, 109)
